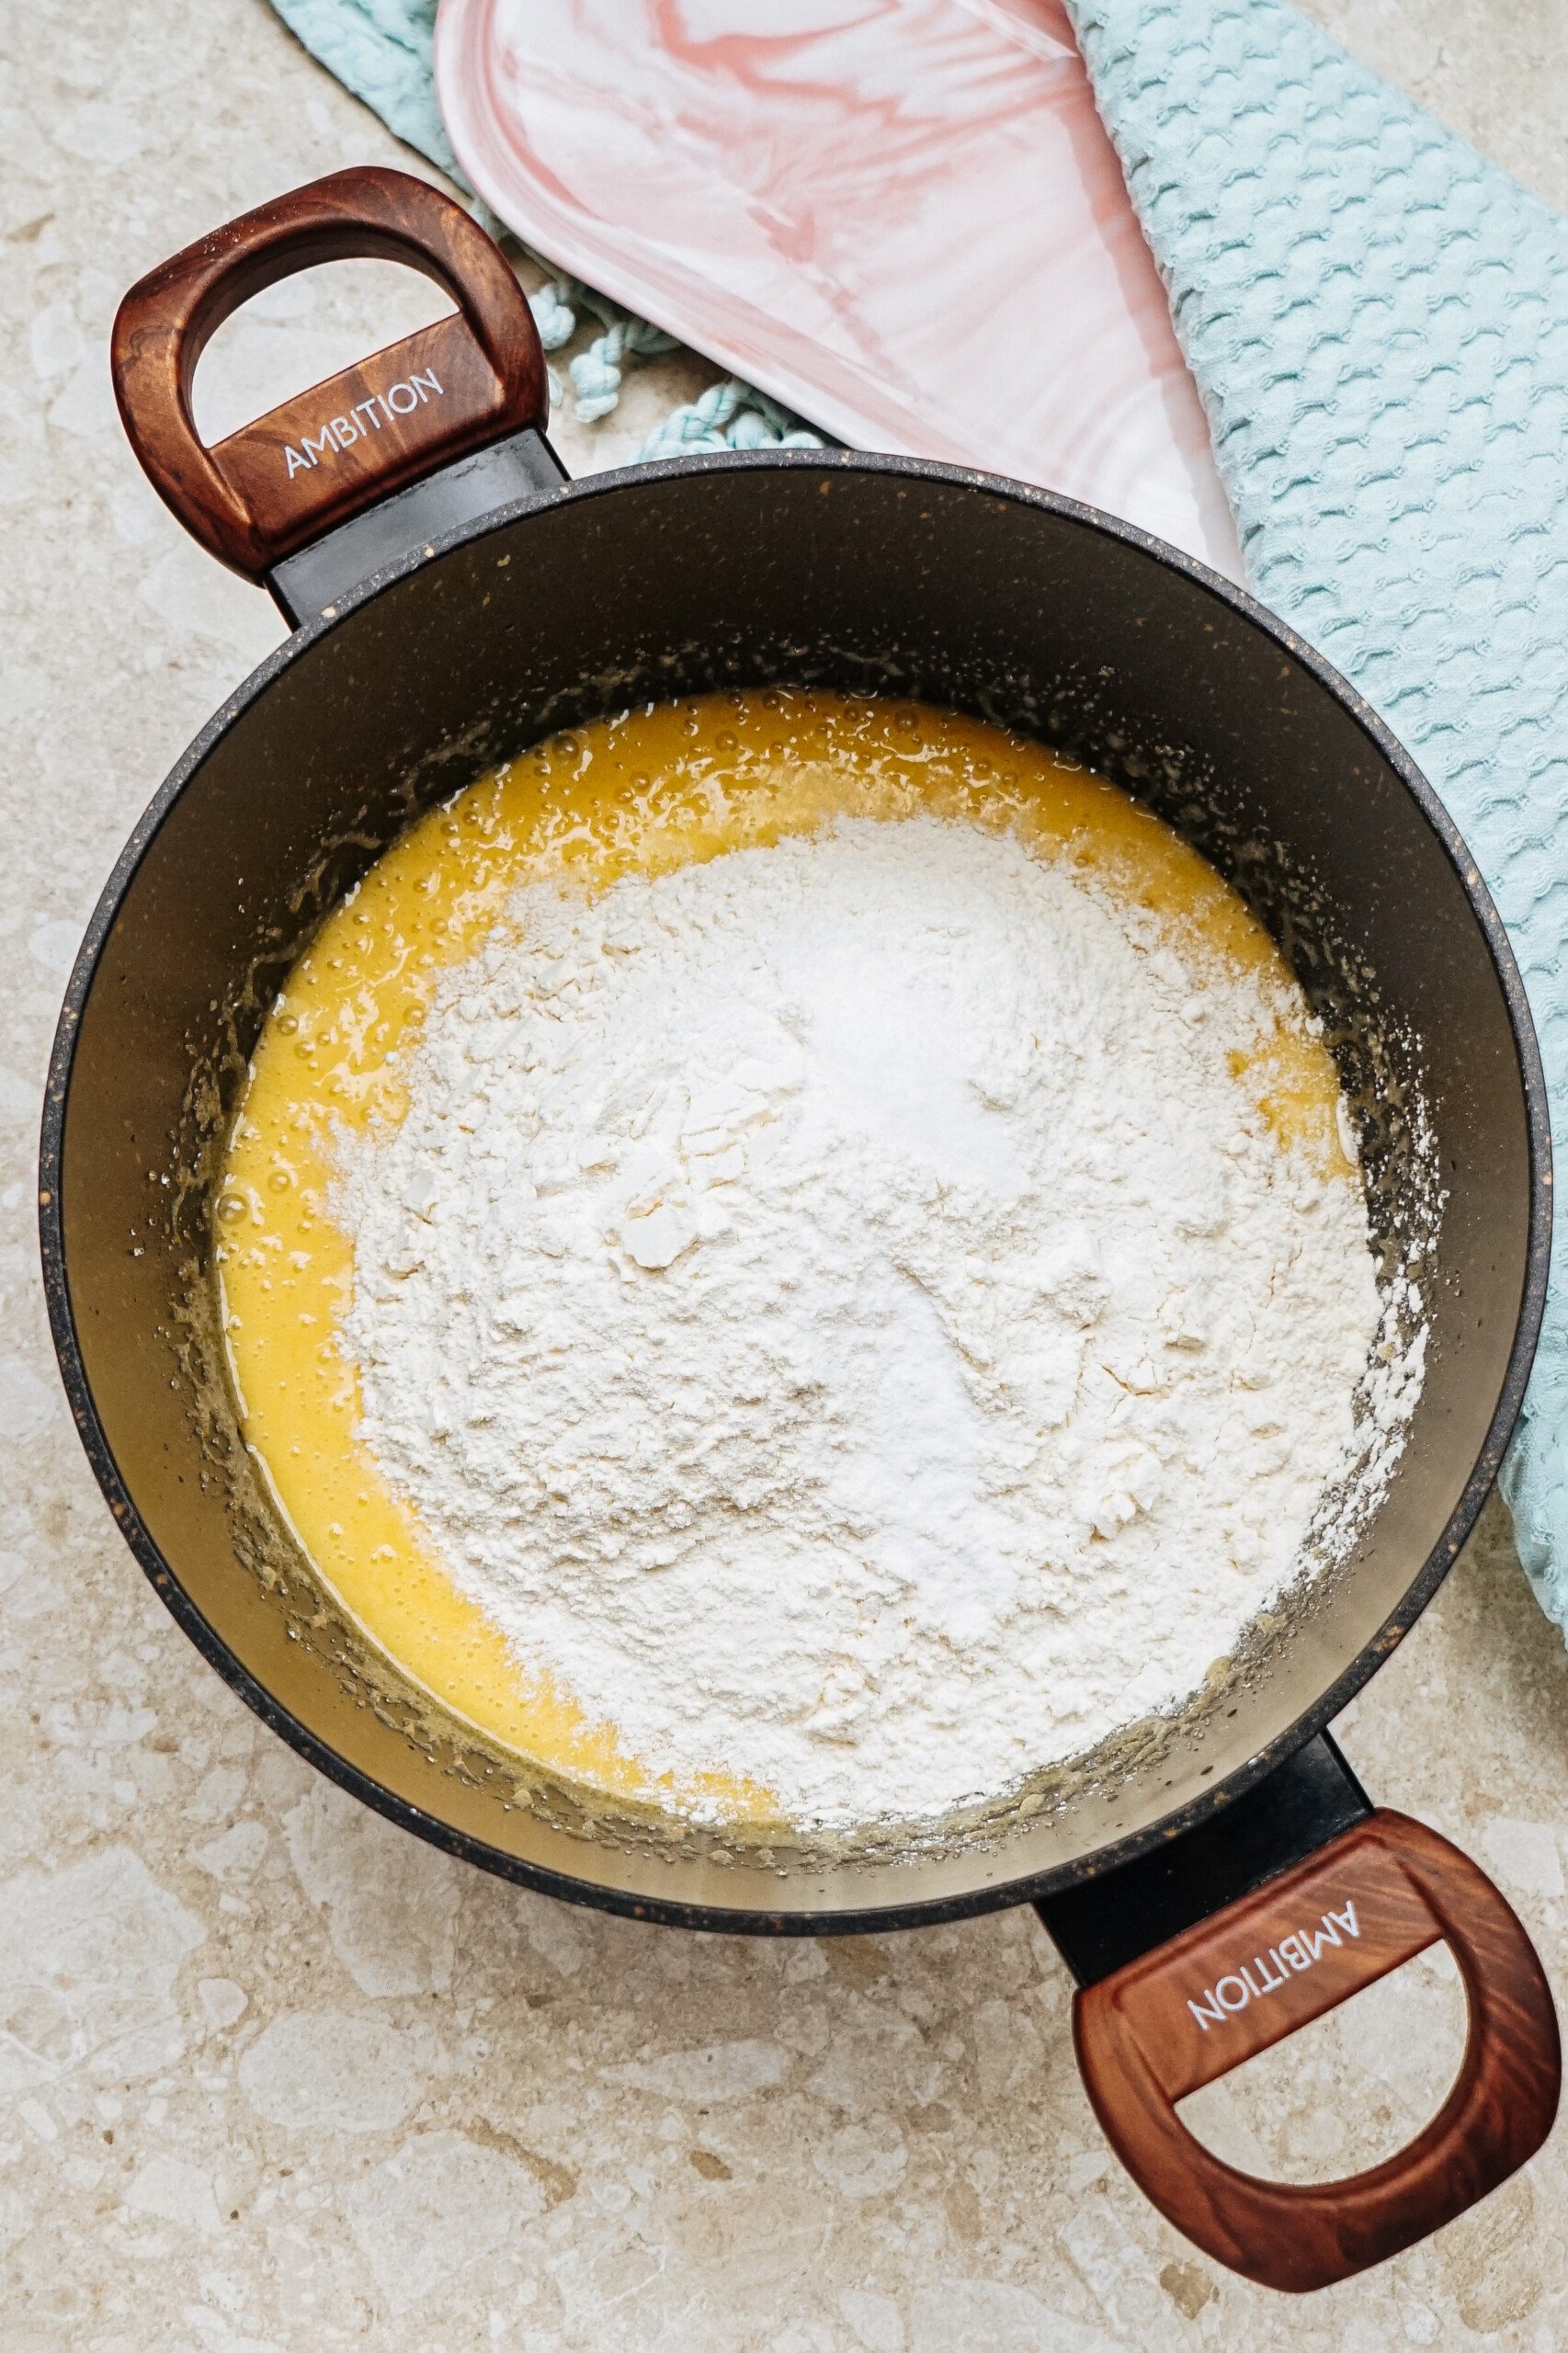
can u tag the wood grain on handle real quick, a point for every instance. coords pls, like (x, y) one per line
(280, 482)
(1297, 1947)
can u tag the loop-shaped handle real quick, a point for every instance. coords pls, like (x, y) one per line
(1247, 1976)
(280, 482)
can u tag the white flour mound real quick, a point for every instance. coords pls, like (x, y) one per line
(837, 1312)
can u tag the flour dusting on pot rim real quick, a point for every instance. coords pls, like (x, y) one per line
(838, 1311)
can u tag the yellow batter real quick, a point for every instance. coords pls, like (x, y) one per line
(652, 790)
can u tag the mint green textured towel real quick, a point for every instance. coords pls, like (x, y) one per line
(381, 49)
(1378, 322)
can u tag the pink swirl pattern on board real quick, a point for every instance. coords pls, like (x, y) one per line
(901, 217)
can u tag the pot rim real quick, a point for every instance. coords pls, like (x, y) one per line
(880, 1917)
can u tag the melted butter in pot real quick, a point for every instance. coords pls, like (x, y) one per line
(656, 788)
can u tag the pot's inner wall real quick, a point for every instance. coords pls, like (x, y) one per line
(817, 572)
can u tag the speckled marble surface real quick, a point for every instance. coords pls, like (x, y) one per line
(274, 2076)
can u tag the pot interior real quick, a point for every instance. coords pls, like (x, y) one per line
(868, 576)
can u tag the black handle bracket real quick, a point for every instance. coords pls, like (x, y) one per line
(1102, 1923)
(305, 584)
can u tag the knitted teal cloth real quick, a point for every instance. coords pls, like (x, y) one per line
(1378, 322)
(381, 49)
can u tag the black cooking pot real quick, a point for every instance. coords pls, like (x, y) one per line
(1213, 1882)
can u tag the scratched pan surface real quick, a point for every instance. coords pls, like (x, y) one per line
(860, 573)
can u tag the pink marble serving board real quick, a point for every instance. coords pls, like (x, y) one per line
(901, 217)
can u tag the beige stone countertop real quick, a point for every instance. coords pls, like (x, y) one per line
(274, 2075)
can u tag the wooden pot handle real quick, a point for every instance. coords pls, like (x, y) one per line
(280, 482)
(1195, 2007)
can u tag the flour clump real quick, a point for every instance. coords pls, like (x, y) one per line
(838, 1313)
